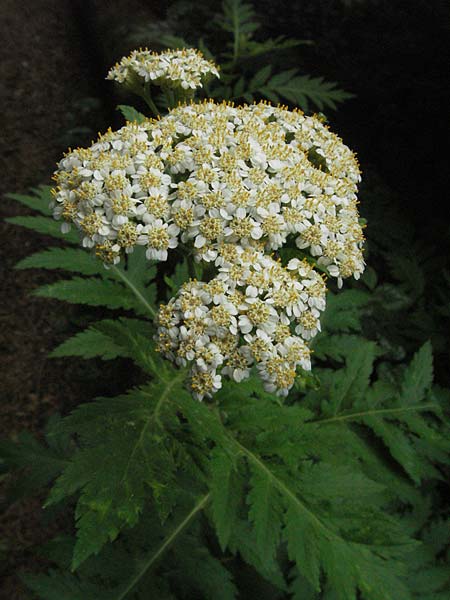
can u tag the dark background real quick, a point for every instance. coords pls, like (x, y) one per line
(394, 56)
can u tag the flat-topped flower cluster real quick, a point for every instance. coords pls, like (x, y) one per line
(186, 69)
(232, 185)
(208, 174)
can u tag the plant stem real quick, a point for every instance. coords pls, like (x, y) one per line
(191, 267)
(123, 276)
(373, 413)
(148, 99)
(165, 545)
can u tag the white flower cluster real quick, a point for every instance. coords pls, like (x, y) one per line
(233, 185)
(254, 312)
(186, 69)
(212, 174)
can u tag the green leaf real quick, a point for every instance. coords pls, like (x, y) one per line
(408, 271)
(418, 376)
(135, 276)
(58, 586)
(41, 463)
(178, 277)
(204, 49)
(160, 549)
(344, 311)
(270, 94)
(38, 200)
(45, 226)
(400, 446)
(243, 540)
(94, 292)
(300, 587)
(89, 343)
(199, 570)
(260, 78)
(266, 514)
(350, 385)
(131, 114)
(256, 48)
(303, 541)
(239, 88)
(397, 416)
(125, 453)
(370, 278)
(304, 90)
(321, 531)
(173, 41)
(135, 339)
(282, 77)
(225, 494)
(75, 260)
(129, 291)
(238, 17)
(339, 484)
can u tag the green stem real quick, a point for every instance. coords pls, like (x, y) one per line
(165, 545)
(378, 412)
(172, 101)
(134, 289)
(148, 99)
(191, 267)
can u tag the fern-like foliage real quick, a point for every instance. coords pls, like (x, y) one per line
(131, 114)
(38, 463)
(300, 90)
(251, 69)
(320, 510)
(125, 287)
(125, 453)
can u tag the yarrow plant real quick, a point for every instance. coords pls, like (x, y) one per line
(231, 185)
(250, 213)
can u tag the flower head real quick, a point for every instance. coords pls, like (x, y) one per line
(221, 175)
(186, 69)
(240, 319)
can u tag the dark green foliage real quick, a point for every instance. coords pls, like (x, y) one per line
(57, 585)
(44, 225)
(301, 90)
(125, 450)
(68, 259)
(225, 494)
(251, 69)
(38, 200)
(38, 462)
(107, 339)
